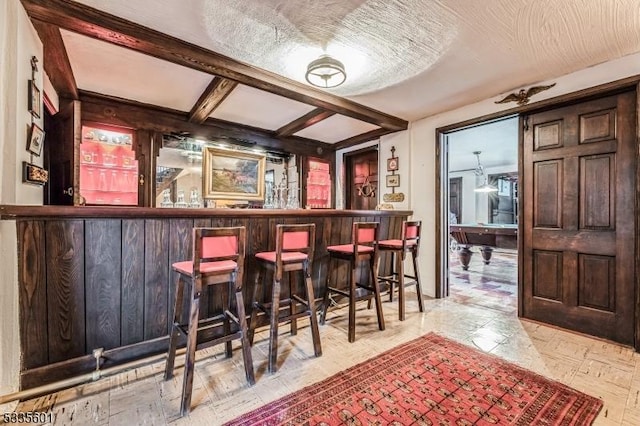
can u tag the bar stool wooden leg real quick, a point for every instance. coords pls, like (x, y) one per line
(173, 340)
(401, 298)
(417, 278)
(311, 304)
(326, 299)
(190, 356)
(352, 302)
(253, 322)
(292, 303)
(373, 267)
(273, 332)
(393, 275)
(227, 294)
(246, 345)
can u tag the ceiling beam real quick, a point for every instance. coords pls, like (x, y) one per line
(214, 94)
(358, 139)
(137, 115)
(94, 23)
(309, 119)
(56, 61)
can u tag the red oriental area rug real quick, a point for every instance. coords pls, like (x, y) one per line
(430, 381)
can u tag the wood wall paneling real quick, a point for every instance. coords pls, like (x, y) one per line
(65, 288)
(33, 293)
(103, 283)
(109, 279)
(156, 278)
(132, 281)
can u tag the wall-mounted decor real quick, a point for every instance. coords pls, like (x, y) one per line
(234, 175)
(36, 139)
(392, 164)
(34, 174)
(393, 181)
(35, 100)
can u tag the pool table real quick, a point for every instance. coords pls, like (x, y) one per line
(487, 236)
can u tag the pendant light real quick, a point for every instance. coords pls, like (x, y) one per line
(479, 171)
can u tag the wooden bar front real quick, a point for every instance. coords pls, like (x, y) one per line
(100, 277)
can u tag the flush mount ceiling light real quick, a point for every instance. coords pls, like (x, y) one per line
(326, 72)
(479, 171)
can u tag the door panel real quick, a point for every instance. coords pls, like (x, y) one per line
(579, 220)
(362, 180)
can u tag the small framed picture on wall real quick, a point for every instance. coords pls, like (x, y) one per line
(392, 164)
(36, 140)
(393, 181)
(35, 100)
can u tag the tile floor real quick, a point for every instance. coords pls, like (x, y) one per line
(142, 397)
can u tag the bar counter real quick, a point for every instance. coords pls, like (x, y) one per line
(100, 277)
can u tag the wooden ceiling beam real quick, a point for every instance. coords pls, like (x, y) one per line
(309, 119)
(94, 23)
(56, 61)
(211, 98)
(136, 115)
(358, 139)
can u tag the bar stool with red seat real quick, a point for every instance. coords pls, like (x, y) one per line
(218, 258)
(409, 243)
(363, 247)
(294, 252)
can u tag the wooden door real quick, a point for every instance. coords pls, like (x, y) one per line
(579, 217)
(361, 185)
(63, 143)
(455, 199)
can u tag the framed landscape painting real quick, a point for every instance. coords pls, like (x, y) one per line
(232, 175)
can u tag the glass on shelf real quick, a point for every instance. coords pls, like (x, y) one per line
(194, 202)
(180, 201)
(166, 199)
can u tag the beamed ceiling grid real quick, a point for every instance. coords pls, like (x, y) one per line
(50, 16)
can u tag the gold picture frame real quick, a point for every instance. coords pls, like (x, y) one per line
(393, 181)
(232, 175)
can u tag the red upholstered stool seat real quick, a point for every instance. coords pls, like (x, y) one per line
(409, 243)
(294, 252)
(218, 259)
(363, 247)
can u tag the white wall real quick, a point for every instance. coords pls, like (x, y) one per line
(423, 147)
(18, 43)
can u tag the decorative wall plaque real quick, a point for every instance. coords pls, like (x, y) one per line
(34, 174)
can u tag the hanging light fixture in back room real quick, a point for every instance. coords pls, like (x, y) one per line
(479, 171)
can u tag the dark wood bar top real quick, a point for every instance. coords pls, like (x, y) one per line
(8, 212)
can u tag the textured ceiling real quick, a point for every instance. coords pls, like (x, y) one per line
(410, 58)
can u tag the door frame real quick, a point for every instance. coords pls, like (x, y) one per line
(442, 181)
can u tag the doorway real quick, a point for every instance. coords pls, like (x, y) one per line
(482, 174)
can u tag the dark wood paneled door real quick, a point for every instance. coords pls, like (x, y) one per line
(579, 217)
(361, 185)
(63, 141)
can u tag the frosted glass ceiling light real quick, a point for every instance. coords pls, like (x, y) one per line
(326, 72)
